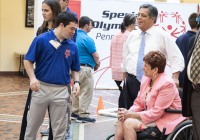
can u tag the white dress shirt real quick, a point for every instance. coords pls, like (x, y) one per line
(156, 39)
(188, 68)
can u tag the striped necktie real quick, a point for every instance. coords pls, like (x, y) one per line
(195, 63)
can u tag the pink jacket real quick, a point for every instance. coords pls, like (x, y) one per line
(164, 94)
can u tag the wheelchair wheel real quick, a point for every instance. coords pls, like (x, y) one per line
(182, 132)
(109, 137)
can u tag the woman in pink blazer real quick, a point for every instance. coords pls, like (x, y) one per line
(157, 93)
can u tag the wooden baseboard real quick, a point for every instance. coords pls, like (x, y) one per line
(9, 73)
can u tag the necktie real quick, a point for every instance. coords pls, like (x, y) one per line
(195, 63)
(139, 72)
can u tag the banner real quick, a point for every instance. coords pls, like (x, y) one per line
(108, 15)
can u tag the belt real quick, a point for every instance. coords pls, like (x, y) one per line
(86, 65)
(196, 86)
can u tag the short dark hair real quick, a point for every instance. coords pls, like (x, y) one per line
(128, 20)
(156, 59)
(66, 18)
(193, 20)
(84, 20)
(153, 11)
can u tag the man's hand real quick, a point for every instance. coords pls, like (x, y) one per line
(125, 74)
(97, 66)
(76, 89)
(175, 77)
(176, 81)
(34, 84)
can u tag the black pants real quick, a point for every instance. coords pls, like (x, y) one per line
(24, 118)
(50, 131)
(195, 113)
(120, 100)
(118, 84)
(130, 91)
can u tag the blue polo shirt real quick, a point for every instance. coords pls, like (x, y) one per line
(86, 47)
(53, 65)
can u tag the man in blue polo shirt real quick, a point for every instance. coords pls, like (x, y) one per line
(48, 132)
(89, 60)
(54, 55)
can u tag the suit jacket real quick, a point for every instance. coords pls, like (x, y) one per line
(164, 94)
(187, 87)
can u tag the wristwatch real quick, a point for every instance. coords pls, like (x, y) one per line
(77, 82)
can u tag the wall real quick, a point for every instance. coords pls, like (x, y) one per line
(14, 37)
(189, 1)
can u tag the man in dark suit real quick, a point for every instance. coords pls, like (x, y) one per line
(183, 41)
(191, 88)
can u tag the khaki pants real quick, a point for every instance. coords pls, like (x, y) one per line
(81, 103)
(55, 97)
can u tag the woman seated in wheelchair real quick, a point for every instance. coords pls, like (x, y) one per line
(157, 93)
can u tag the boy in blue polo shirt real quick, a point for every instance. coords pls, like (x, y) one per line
(54, 55)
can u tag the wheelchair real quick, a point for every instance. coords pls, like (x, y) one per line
(183, 131)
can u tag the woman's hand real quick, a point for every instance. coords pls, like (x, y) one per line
(121, 114)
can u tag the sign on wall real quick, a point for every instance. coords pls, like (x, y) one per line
(108, 16)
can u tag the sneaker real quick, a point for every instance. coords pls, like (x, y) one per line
(45, 132)
(84, 120)
(74, 116)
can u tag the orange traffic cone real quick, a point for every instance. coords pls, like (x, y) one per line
(100, 104)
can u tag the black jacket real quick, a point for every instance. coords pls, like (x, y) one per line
(188, 88)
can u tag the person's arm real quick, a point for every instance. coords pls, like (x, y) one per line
(75, 76)
(125, 53)
(91, 48)
(97, 60)
(34, 83)
(175, 58)
(175, 77)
